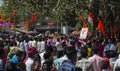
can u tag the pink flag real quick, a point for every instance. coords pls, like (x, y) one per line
(90, 18)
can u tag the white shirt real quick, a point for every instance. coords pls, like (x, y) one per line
(30, 43)
(34, 43)
(62, 59)
(41, 55)
(28, 64)
(58, 46)
(84, 63)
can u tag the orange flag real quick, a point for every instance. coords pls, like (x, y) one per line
(27, 23)
(33, 18)
(9, 20)
(100, 26)
(81, 17)
(2, 18)
(14, 13)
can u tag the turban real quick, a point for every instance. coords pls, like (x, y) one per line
(31, 51)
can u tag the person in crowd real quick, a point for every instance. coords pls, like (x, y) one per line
(69, 65)
(47, 49)
(95, 59)
(22, 43)
(17, 57)
(56, 62)
(30, 41)
(110, 48)
(47, 63)
(58, 44)
(29, 60)
(10, 66)
(101, 48)
(103, 65)
(84, 63)
(3, 51)
(34, 42)
(41, 45)
(37, 63)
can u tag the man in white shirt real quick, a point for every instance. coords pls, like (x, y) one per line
(29, 61)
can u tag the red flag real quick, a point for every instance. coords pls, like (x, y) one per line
(14, 13)
(27, 23)
(33, 18)
(100, 26)
(81, 17)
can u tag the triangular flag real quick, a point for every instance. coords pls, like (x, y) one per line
(2, 18)
(81, 17)
(33, 18)
(9, 20)
(90, 18)
(100, 26)
(27, 24)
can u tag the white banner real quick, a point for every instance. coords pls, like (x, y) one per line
(83, 33)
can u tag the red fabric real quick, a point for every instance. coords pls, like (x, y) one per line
(5, 55)
(107, 59)
(33, 18)
(91, 15)
(100, 26)
(25, 60)
(101, 49)
(31, 51)
(84, 24)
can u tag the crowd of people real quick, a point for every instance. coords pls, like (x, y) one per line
(54, 52)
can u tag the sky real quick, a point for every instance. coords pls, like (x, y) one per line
(1, 2)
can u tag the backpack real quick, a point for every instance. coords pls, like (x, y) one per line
(1, 65)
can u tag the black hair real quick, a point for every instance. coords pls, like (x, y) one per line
(103, 64)
(70, 52)
(49, 49)
(47, 55)
(19, 53)
(83, 52)
(95, 50)
(37, 58)
(1, 52)
(10, 66)
(60, 53)
(1, 44)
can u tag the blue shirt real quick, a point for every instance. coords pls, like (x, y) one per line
(67, 66)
